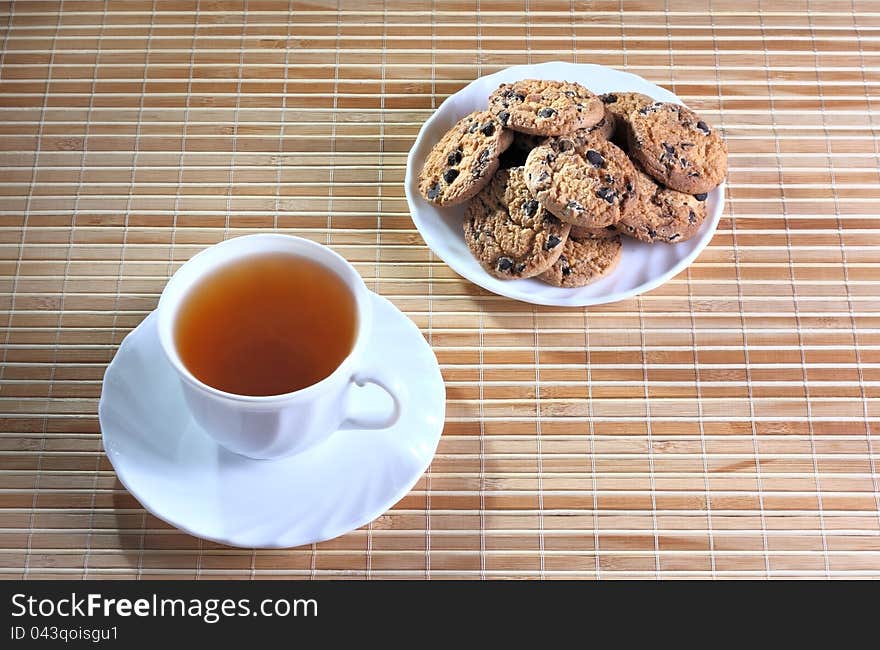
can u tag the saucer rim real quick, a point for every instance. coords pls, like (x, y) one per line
(229, 541)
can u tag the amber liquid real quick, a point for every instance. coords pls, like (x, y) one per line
(266, 325)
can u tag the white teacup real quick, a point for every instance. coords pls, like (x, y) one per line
(277, 425)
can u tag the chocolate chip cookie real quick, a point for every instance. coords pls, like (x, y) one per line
(464, 160)
(509, 232)
(583, 261)
(678, 148)
(661, 214)
(542, 107)
(618, 105)
(590, 186)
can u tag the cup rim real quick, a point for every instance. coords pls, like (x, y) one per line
(167, 316)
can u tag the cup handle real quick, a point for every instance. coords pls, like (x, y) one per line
(395, 389)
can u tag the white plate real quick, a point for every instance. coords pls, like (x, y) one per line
(643, 266)
(182, 476)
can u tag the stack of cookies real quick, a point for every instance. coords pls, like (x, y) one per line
(553, 175)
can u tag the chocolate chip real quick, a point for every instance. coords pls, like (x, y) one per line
(504, 264)
(652, 233)
(692, 218)
(566, 269)
(504, 116)
(701, 197)
(610, 98)
(434, 191)
(684, 162)
(569, 93)
(453, 159)
(552, 242)
(543, 177)
(673, 237)
(519, 97)
(574, 206)
(629, 187)
(693, 174)
(686, 145)
(450, 175)
(482, 161)
(668, 148)
(473, 128)
(704, 127)
(508, 93)
(530, 207)
(520, 267)
(488, 130)
(595, 158)
(609, 179)
(546, 112)
(606, 193)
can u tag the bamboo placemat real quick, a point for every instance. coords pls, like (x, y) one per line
(723, 425)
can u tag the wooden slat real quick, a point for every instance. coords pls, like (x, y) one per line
(724, 425)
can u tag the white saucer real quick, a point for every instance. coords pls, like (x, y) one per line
(642, 266)
(182, 476)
